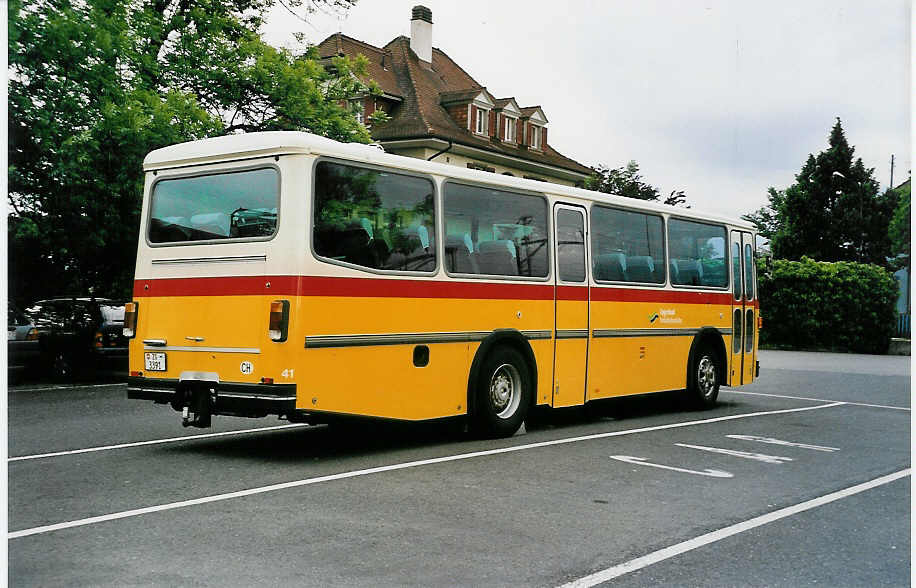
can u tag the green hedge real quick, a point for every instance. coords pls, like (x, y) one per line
(841, 306)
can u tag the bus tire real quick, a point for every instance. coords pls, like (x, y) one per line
(703, 378)
(502, 394)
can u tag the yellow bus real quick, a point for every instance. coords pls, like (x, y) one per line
(282, 273)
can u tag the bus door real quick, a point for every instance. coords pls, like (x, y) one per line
(750, 307)
(743, 312)
(571, 294)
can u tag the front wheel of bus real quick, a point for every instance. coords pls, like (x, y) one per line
(502, 394)
(703, 384)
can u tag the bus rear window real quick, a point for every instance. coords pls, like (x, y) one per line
(215, 207)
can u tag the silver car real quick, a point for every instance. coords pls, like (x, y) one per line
(23, 349)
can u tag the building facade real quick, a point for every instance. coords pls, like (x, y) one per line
(438, 112)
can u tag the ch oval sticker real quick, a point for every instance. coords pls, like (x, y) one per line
(246, 367)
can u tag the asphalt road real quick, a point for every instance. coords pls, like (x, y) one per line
(801, 478)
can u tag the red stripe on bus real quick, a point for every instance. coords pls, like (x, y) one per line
(221, 286)
(327, 286)
(405, 288)
(572, 293)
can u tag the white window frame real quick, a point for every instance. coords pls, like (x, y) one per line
(483, 117)
(534, 141)
(511, 123)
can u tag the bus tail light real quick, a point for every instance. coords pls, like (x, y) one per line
(98, 339)
(33, 335)
(279, 320)
(759, 322)
(130, 320)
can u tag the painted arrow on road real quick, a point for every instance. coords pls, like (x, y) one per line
(642, 461)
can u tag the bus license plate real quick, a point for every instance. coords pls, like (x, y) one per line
(155, 362)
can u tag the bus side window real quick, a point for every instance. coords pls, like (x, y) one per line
(698, 250)
(749, 271)
(736, 270)
(373, 218)
(628, 246)
(504, 233)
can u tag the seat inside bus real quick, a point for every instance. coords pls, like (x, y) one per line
(498, 258)
(611, 267)
(460, 256)
(641, 268)
(689, 271)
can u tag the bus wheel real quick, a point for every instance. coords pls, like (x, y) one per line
(503, 394)
(703, 382)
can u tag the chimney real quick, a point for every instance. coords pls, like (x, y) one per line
(421, 33)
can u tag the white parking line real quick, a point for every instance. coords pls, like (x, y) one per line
(691, 544)
(153, 442)
(66, 387)
(388, 468)
(817, 399)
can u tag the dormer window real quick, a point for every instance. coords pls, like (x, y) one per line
(481, 124)
(535, 139)
(509, 125)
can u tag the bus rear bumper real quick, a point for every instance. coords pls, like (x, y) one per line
(223, 398)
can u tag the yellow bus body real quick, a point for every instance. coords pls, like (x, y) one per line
(353, 335)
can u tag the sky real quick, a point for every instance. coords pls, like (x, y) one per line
(719, 98)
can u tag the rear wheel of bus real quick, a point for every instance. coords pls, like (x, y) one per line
(502, 394)
(704, 377)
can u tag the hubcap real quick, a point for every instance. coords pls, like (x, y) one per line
(505, 390)
(706, 376)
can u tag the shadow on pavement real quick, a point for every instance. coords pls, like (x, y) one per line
(366, 437)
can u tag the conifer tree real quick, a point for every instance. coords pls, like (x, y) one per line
(833, 211)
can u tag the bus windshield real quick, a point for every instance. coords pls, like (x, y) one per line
(215, 207)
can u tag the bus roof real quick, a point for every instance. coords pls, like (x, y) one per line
(277, 143)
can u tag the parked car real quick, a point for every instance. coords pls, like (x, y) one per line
(22, 351)
(79, 336)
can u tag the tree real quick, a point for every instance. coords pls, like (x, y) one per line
(96, 84)
(626, 181)
(833, 211)
(899, 230)
(622, 181)
(676, 198)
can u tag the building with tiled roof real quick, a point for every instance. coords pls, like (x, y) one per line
(437, 111)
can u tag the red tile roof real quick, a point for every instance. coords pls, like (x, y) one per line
(399, 72)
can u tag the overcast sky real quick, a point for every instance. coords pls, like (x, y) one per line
(719, 98)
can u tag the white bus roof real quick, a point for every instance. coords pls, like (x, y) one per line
(277, 143)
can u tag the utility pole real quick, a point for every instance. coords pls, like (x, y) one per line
(892, 171)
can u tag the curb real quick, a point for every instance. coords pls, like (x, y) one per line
(899, 347)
